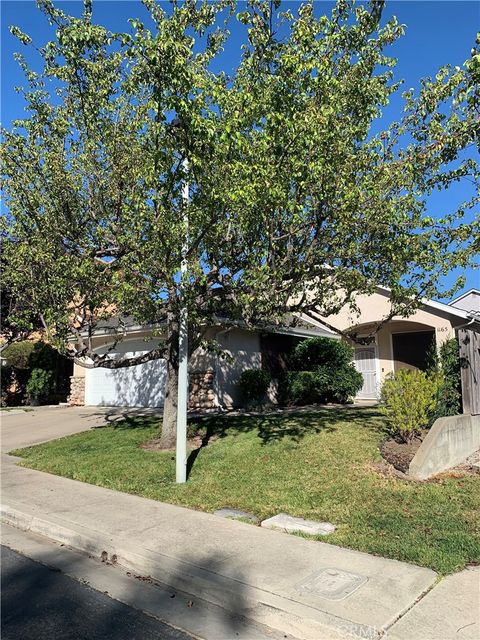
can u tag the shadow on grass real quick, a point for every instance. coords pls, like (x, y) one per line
(293, 424)
(130, 419)
(276, 426)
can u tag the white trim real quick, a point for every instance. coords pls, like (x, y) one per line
(318, 332)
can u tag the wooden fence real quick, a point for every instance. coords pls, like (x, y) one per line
(470, 370)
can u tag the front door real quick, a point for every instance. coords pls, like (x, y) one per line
(366, 363)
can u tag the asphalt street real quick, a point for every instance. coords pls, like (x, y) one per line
(39, 603)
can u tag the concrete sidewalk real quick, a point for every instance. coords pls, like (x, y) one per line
(308, 589)
(311, 590)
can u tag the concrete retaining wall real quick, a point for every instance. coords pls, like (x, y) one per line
(449, 442)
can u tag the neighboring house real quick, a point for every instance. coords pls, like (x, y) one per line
(213, 379)
(401, 342)
(469, 301)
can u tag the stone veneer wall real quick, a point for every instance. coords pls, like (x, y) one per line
(202, 394)
(77, 391)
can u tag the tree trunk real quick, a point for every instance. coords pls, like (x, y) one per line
(168, 436)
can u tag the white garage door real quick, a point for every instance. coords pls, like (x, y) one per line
(140, 386)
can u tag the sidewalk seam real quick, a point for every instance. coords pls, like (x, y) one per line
(436, 582)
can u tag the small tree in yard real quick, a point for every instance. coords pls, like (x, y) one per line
(295, 203)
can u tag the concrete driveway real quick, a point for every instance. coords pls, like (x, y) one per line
(23, 428)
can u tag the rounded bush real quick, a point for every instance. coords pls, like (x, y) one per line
(18, 355)
(324, 373)
(254, 384)
(314, 352)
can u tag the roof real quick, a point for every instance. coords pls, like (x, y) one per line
(473, 291)
(445, 308)
(301, 327)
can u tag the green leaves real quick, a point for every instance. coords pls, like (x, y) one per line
(294, 203)
(24, 39)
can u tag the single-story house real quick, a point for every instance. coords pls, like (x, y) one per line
(400, 342)
(213, 378)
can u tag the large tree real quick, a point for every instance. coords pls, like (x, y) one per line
(299, 198)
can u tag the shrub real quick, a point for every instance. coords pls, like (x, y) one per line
(21, 358)
(345, 383)
(324, 373)
(40, 384)
(302, 387)
(447, 361)
(309, 354)
(43, 356)
(254, 384)
(409, 397)
(17, 355)
(6, 380)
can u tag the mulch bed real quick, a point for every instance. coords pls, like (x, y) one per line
(400, 454)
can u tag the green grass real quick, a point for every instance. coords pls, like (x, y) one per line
(316, 465)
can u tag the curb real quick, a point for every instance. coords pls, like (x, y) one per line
(255, 604)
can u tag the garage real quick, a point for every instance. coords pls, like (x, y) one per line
(139, 386)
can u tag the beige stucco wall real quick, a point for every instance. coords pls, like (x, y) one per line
(243, 345)
(377, 306)
(374, 308)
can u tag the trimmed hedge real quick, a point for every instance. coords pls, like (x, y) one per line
(323, 372)
(254, 384)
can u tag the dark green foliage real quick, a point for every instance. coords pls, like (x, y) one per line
(314, 352)
(23, 360)
(17, 355)
(323, 372)
(447, 360)
(44, 356)
(301, 387)
(254, 384)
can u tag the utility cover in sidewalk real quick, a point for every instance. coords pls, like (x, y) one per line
(333, 584)
(287, 523)
(235, 514)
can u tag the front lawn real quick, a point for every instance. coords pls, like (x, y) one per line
(318, 465)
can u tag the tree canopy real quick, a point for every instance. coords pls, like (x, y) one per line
(299, 198)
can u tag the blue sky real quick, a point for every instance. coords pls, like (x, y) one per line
(437, 33)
